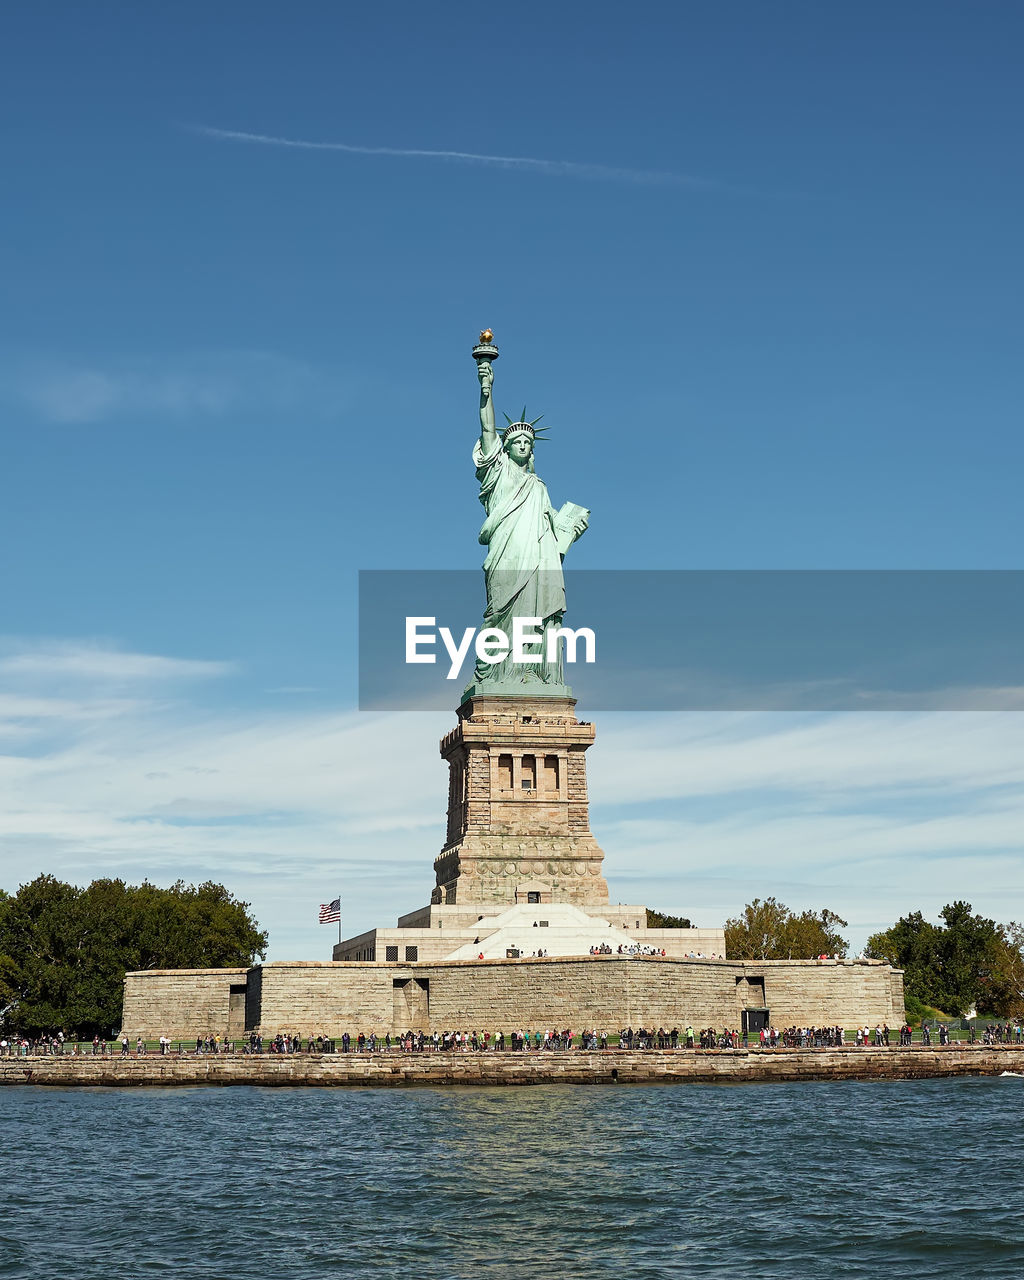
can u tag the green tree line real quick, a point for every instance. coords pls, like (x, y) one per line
(659, 920)
(64, 950)
(769, 930)
(967, 962)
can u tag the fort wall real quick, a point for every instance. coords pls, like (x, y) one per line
(603, 992)
(190, 1002)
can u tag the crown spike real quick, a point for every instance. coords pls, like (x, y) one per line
(524, 427)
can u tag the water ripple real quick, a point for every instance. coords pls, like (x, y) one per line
(687, 1180)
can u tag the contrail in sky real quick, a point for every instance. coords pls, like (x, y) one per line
(553, 168)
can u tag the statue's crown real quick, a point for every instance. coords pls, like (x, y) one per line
(523, 428)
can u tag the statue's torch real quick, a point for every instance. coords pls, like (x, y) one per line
(485, 350)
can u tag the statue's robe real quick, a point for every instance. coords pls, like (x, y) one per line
(523, 568)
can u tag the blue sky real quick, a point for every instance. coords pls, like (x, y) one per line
(759, 266)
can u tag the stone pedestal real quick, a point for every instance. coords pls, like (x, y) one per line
(518, 820)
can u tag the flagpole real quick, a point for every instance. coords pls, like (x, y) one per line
(339, 919)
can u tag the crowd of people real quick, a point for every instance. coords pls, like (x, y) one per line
(23, 1046)
(626, 949)
(518, 1041)
(1003, 1033)
(997, 1033)
(806, 1038)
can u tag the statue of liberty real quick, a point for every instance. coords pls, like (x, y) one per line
(526, 540)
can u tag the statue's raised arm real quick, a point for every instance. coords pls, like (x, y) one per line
(487, 429)
(488, 353)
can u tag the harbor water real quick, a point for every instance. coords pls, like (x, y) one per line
(765, 1180)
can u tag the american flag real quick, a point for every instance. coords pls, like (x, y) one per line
(330, 911)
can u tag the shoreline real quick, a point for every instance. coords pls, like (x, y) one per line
(609, 1066)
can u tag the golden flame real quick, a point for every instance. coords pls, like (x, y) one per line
(486, 335)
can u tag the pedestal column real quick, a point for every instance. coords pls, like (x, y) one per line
(518, 818)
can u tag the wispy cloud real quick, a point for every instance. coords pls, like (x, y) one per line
(871, 814)
(98, 663)
(697, 755)
(112, 767)
(531, 164)
(202, 385)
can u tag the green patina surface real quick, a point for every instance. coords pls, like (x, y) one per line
(526, 540)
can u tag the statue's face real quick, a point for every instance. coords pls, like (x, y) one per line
(519, 449)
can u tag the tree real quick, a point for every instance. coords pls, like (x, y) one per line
(969, 957)
(8, 995)
(658, 920)
(769, 930)
(64, 951)
(966, 962)
(913, 945)
(1008, 973)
